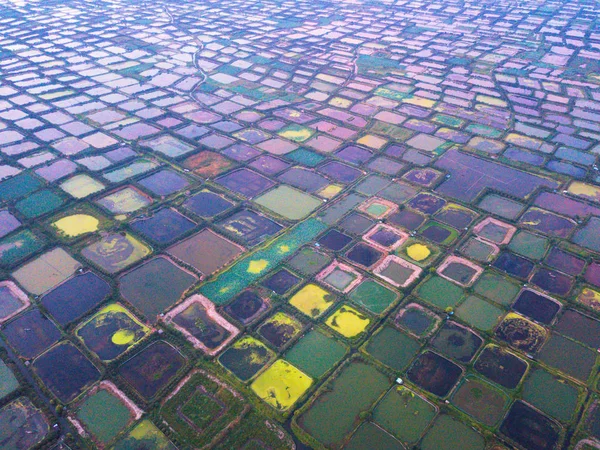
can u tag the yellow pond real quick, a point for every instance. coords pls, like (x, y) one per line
(77, 224)
(589, 298)
(257, 266)
(123, 337)
(584, 190)
(418, 252)
(329, 191)
(281, 385)
(348, 321)
(339, 102)
(311, 300)
(297, 134)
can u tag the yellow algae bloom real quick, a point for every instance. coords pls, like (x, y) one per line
(311, 300)
(77, 224)
(584, 190)
(511, 316)
(420, 101)
(123, 337)
(340, 102)
(280, 318)
(254, 355)
(257, 266)
(372, 141)
(523, 141)
(281, 385)
(283, 248)
(418, 252)
(147, 430)
(589, 298)
(132, 330)
(297, 134)
(329, 191)
(348, 321)
(491, 101)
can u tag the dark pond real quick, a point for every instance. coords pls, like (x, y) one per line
(434, 373)
(364, 255)
(75, 297)
(500, 366)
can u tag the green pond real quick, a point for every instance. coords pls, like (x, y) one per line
(497, 288)
(289, 202)
(393, 348)
(18, 186)
(335, 413)
(40, 203)
(568, 356)
(450, 434)
(479, 313)
(18, 246)
(8, 381)
(104, 415)
(309, 261)
(336, 211)
(529, 245)
(477, 250)
(560, 404)
(305, 157)
(155, 286)
(316, 364)
(373, 296)
(481, 400)
(404, 413)
(370, 436)
(440, 292)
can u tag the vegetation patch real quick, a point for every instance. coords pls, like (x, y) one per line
(145, 435)
(202, 409)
